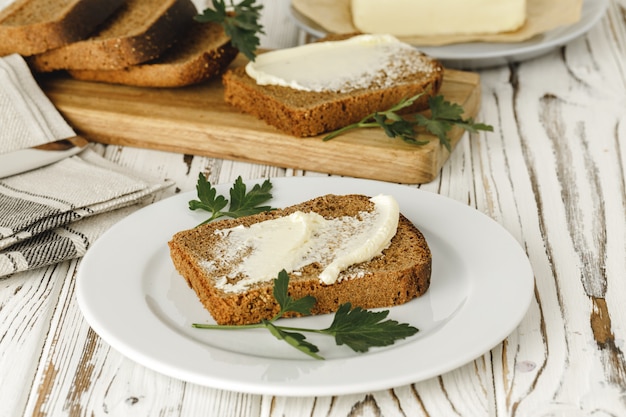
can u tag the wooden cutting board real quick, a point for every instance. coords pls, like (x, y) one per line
(195, 120)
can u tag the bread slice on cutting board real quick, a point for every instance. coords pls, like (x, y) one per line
(403, 73)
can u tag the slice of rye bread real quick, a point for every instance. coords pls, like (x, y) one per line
(400, 274)
(202, 53)
(137, 32)
(305, 113)
(29, 27)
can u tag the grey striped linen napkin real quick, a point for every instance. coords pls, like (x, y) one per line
(48, 215)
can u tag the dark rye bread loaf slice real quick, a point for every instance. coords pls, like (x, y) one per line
(202, 53)
(29, 27)
(305, 113)
(137, 32)
(400, 274)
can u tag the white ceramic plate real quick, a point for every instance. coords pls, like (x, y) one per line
(131, 295)
(475, 55)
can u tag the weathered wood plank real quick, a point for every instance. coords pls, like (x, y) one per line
(27, 302)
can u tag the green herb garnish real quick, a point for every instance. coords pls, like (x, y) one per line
(240, 22)
(444, 116)
(242, 202)
(357, 328)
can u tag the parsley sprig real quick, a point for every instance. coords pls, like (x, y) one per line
(444, 116)
(240, 22)
(356, 328)
(242, 202)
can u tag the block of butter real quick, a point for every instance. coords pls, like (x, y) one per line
(440, 17)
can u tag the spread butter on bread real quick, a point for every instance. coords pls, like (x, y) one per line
(337, 258)
(319, 87)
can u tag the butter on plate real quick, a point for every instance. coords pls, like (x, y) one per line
(335, 16)
(441, 17)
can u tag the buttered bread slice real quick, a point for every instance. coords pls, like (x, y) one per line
(323, 86)
(336, 248)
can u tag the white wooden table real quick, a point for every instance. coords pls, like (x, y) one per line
(552, 173)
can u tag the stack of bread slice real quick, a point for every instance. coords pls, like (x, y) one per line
(29, 27)
(153, 43)
(201, 54)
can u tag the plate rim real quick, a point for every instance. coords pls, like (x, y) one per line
(291, 389)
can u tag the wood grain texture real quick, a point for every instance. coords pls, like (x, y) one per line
(552, 173)
(196, 120)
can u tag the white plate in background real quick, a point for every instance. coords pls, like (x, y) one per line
(475, 55)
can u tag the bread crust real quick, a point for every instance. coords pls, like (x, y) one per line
(29, 27)
(139, 31)
(304, 113)
(399, 275)
(202, 53)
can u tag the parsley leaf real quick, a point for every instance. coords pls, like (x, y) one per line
(207, 198)
(241, 23)
(439, 128)
(388, 120)
(444, 115)
(302, 305)
(444, 110)
(361, 329)
(356, 328)
(398, 128)
(297, 340)
(242, 203)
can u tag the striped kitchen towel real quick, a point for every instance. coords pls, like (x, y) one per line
(54, 213)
